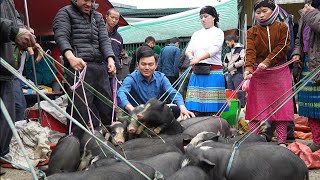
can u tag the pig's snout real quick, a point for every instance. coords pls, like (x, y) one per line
(132, 130)
(119, 142)
(139, 116)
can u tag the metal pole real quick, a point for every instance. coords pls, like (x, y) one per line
(33, 63)
(16, 135)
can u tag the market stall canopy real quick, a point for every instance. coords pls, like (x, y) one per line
(182, 24)
(289, 1)
(42, 13)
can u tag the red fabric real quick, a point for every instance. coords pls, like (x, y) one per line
(55, 54)
(281, 129)
(301, 128)
(265, 87)
(245, 85)
(312, 160)
(253, 125)
(315, 130)
(214, 67)
(47, 120)
(41, 13)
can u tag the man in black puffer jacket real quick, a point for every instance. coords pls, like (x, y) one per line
(80, 33)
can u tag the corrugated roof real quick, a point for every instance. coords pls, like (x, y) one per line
(147, 13)
(181, 24)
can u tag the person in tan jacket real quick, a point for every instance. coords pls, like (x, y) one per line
(267, 46)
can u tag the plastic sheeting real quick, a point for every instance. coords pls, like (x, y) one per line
(289, 1)
(35, 139)
(181, 24)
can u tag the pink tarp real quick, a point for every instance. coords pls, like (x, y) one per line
(312, 160)
(302, 129)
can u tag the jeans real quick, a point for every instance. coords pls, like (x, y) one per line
(233, 81)
(55, 86)
(7, 96)
(20, 100)
(172, 79)
(184, 86)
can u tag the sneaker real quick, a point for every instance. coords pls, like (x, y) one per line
(283, 145)
(314, 147)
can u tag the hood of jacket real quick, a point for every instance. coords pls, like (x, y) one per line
(238, 45)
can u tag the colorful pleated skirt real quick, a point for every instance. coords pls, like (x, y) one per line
(206, 93)
(309, 96)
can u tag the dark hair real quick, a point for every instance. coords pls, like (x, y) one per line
(315, 3)
(231, 37)
(112, 9)
(144, 51)
(149, 39)
(174, 40)
(264, 3)
(212, 11)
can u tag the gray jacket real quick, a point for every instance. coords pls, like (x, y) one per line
(85, 36)
(9, 27)
(312, 18)
(234, 60)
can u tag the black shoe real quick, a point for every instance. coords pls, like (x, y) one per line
(291, 139)
(268, 139)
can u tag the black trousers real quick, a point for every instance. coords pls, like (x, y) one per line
(172, 79)
(97, 77)
(7, 96)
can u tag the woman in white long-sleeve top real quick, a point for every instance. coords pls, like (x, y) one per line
(206, 89)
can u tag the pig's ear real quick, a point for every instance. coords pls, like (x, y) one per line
(186, 141)
(122, 119)
(218, 133)
(206, 164)
(211, 136)
(125, 123)
(109, 128)
(107, 136)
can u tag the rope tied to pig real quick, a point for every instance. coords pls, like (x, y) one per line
(236, 147)
(297, 87)
(91, 89)
(179, 82)
(82, 75)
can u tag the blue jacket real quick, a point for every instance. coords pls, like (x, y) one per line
(169, 59)
(116, 43)
(142, 90)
